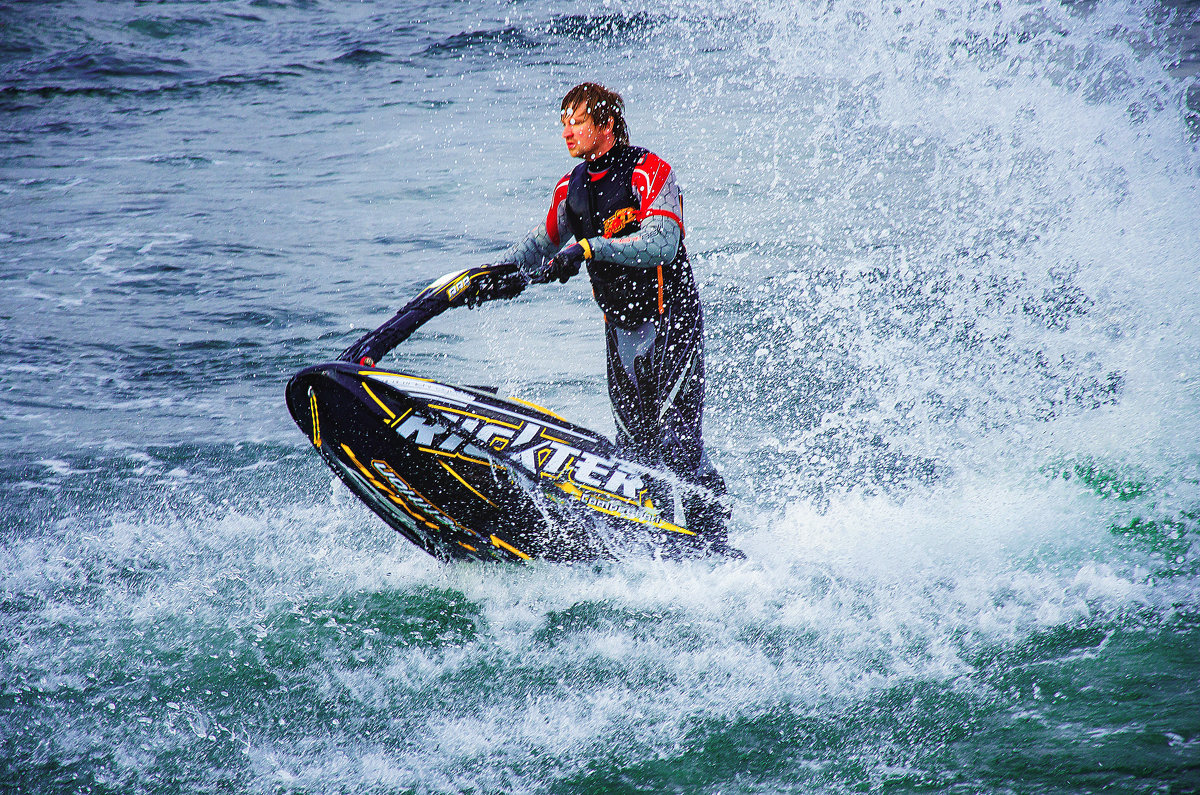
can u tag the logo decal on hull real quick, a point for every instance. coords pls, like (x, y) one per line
(465, 428)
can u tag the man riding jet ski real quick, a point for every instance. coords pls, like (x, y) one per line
(466, 474)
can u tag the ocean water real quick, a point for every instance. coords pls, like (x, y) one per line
(949, 256)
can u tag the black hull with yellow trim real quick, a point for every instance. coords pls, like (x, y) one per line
(465, 474)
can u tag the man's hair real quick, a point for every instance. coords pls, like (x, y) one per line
(602, 105)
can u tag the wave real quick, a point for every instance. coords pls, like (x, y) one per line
(361, 56)
(15, 95)
(278, 632)
(488, 42)
(164, 27)
(611, 28)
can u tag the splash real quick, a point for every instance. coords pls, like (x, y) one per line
(977, 248)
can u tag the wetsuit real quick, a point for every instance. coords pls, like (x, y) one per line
(653, 323)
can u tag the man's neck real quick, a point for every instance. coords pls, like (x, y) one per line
(605, 149)
(604, 156)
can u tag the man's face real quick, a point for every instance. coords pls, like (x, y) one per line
(584, 139)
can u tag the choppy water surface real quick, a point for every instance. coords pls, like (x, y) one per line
(948, 255)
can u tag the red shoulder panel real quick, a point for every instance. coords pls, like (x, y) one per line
(648, 180)
(560, 194)
(649, 177)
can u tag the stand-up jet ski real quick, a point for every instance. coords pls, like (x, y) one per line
(468, 475)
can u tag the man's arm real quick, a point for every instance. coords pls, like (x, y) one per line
(656, 243)
(544, 240)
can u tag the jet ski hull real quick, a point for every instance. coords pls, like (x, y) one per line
(467, 475)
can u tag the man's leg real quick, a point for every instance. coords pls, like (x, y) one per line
(656, 383)
(683, 449)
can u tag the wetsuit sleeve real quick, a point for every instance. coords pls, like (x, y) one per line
(661, 214)
(545, 239)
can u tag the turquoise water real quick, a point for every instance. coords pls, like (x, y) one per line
(948, 258)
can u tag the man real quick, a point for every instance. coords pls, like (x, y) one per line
(623, 208)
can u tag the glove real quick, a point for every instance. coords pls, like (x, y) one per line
(565, 264)
(505, 281)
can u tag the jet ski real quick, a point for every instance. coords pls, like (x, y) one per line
(466, 474)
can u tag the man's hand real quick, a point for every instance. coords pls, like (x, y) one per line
(505, 281)
(565, 264)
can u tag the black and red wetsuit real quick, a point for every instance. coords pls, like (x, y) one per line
(653, 322)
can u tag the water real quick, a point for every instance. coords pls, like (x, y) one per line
(948, 256)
